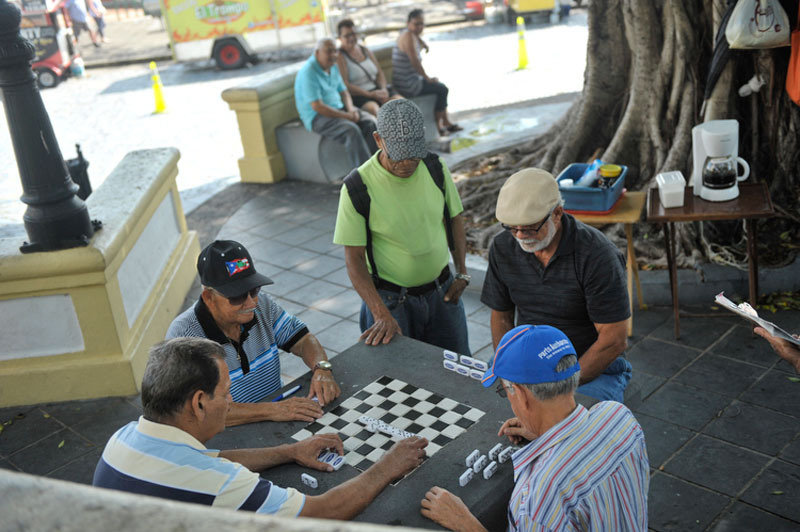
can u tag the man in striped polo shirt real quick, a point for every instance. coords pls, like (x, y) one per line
(578, 469)
(251, 327)
(185, 398)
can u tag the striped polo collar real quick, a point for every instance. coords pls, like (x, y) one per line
(212, 330)
(168, 433)
(555, 434)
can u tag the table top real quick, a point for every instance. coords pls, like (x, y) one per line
(419, 364)
(627, 211)
(753, 202)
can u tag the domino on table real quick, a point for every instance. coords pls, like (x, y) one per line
(450, 355)
(467, 361)
(480, 365)
(330, 457)
(505, 454)
(308, 480)
(494, 451)
(480, 463)
(475, 374)
(465, 477)
(376, 425)
(472, 457)
(490, 469)
(462, 370)
(449, 364)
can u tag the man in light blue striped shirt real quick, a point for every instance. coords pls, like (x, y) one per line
(185, 398)
(581, 469)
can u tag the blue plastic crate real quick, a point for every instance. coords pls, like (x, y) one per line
(589, 198)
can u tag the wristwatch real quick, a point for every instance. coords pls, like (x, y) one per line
(463, 277)
(323, 364)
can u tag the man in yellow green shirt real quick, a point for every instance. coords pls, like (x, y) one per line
(413, 291)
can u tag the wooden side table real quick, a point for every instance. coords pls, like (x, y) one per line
(627, 212)
(753, 202)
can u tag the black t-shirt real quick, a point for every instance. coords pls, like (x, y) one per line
(583, 284)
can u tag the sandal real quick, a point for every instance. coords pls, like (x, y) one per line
(452, 128)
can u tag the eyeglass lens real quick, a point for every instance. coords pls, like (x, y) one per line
(238, 300)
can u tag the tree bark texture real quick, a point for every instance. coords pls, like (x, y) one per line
(645, 76)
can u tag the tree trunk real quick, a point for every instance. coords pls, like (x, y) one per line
(645, 76)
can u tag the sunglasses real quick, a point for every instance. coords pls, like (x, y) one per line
(526, 228)
(240, 299)
(502, 390)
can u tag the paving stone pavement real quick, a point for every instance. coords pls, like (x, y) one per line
(718, 408)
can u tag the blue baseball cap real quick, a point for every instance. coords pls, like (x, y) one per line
(529, 354)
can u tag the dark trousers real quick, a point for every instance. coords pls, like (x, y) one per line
(440, 90)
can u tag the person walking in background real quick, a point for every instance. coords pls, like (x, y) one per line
(79, 16)
(410, 79)
(361, 72)
(98, 11)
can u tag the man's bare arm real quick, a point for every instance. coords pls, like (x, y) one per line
(500, 322)
(328, 111)
(612, 339)
(292, 409)
(385, 326)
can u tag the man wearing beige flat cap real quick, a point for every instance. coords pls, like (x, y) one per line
(547, 268)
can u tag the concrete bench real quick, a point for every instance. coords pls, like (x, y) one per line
(276, 145)
(309, 156)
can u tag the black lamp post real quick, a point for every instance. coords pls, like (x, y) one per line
(55, 218)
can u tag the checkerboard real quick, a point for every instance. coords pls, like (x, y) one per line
(403, 405)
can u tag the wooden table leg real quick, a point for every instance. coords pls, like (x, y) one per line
(669, 237)
(632, 253)
(629, 266)
(752, 260)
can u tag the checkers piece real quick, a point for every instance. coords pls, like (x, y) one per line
(396, 410)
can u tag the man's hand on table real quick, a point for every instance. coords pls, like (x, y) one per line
(449, 511)
(515, 431)
(307, 451)
(323, 387)
(382, 331)
(296, 409)
(403, 457)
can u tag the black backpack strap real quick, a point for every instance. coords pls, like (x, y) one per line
(359, 197)
(434, 165)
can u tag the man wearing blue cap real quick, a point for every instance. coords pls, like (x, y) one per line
(579, 469)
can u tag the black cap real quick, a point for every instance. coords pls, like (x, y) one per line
(228, 268)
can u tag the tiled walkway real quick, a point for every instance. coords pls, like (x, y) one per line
(719, 409)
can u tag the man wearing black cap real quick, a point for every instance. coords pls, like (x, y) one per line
(577, 469)
(251, 326)
(407, 287)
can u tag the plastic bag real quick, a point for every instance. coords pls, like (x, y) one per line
(793, 74)
(758, 24)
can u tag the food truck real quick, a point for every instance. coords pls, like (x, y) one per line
(46, 25)
(231, 31)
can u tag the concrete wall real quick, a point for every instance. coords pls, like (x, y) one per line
(77, 323)
(37, 503)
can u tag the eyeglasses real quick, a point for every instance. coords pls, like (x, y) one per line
(502, 390)
(351, 35)
(240, 299)
(526, 228)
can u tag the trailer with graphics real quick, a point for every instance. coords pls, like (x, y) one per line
(232, 31)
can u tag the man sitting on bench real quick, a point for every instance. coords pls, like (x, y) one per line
(326, 108)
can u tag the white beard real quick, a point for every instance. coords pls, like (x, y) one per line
(532, 245)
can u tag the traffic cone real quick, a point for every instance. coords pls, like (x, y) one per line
(523, 50)
(158, 89)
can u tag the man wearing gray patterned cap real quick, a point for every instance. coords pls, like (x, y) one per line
(398, 213)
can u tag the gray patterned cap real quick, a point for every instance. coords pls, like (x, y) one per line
(402, 129)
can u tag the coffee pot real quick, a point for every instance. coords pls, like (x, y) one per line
(715, 175)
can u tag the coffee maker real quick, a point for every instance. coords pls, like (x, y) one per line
(715, 175)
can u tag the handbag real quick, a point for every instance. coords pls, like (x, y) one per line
(793, 74)
(756, 24)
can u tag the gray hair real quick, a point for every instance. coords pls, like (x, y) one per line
(544, 391)
(175, 370)
(321, 43)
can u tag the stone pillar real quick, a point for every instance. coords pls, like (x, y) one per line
(55, 218)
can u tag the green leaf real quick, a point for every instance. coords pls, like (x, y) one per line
(777, 492)
(794, 379)
(60, 445)
(46, 416)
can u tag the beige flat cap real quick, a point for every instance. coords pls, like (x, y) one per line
(527, 197)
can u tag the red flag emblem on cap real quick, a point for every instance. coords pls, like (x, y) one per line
(236, 266)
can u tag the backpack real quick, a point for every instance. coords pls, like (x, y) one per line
(360, 199)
